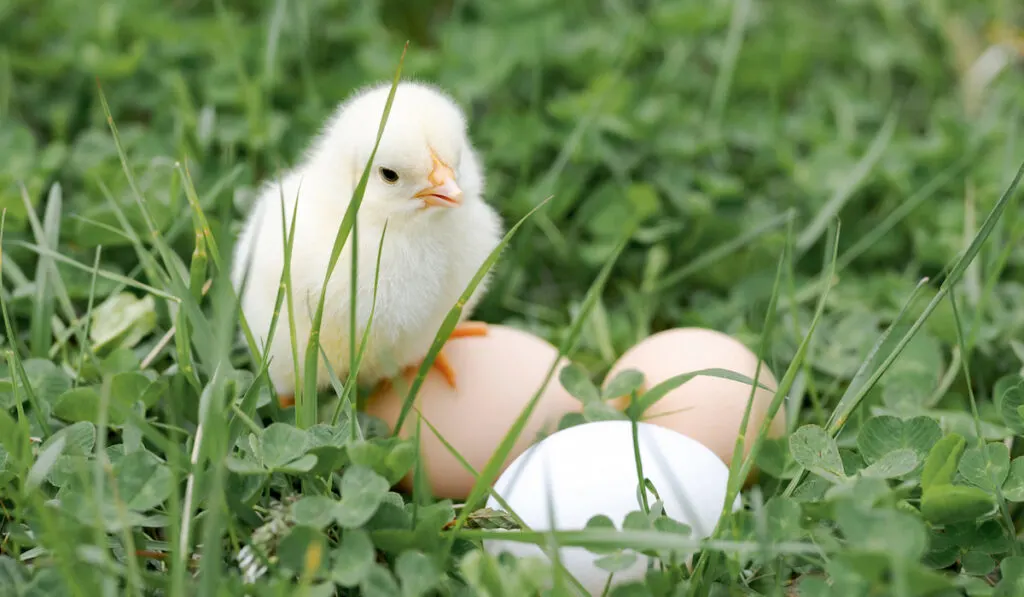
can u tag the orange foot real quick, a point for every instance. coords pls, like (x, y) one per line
(441, 363)
(286, 400)
(467, 329)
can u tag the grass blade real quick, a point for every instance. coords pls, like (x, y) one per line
(41, 330)
(349, 395)
(926, 192)
(652, 396)
(106, 275)
(843, 194)
(719, 252)
(864, 379)
(849, 403)
(490, 472)
(730, 56)
(305, 401)
(452, 319)
(736, 479)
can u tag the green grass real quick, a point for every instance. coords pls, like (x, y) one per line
(833, 183)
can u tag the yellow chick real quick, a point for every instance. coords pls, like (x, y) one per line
(426, 183)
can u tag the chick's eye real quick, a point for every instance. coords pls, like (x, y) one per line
(388, 175)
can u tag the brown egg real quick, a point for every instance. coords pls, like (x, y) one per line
(496, 375)
(708, 409)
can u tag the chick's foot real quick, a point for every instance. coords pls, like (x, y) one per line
(468, 329)
(286, 400)
(441, 364)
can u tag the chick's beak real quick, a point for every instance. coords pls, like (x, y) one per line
(445, 192)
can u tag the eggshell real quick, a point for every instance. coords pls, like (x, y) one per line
(496, 375)
(590, 469)
(708, 409)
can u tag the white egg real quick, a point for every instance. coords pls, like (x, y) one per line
(590, 469)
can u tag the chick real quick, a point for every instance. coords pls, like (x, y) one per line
(426, 182)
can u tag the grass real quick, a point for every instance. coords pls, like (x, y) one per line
(834, 184)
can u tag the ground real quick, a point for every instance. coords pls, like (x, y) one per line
(831, 183)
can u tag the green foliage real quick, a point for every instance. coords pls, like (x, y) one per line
(947, 504)
(814, 450)
(941, 464)
(696, 156)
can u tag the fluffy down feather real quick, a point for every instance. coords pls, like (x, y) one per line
(426, 182)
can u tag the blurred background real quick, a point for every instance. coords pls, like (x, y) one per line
(730, 129)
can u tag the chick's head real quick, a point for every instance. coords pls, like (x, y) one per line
(424, 163)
